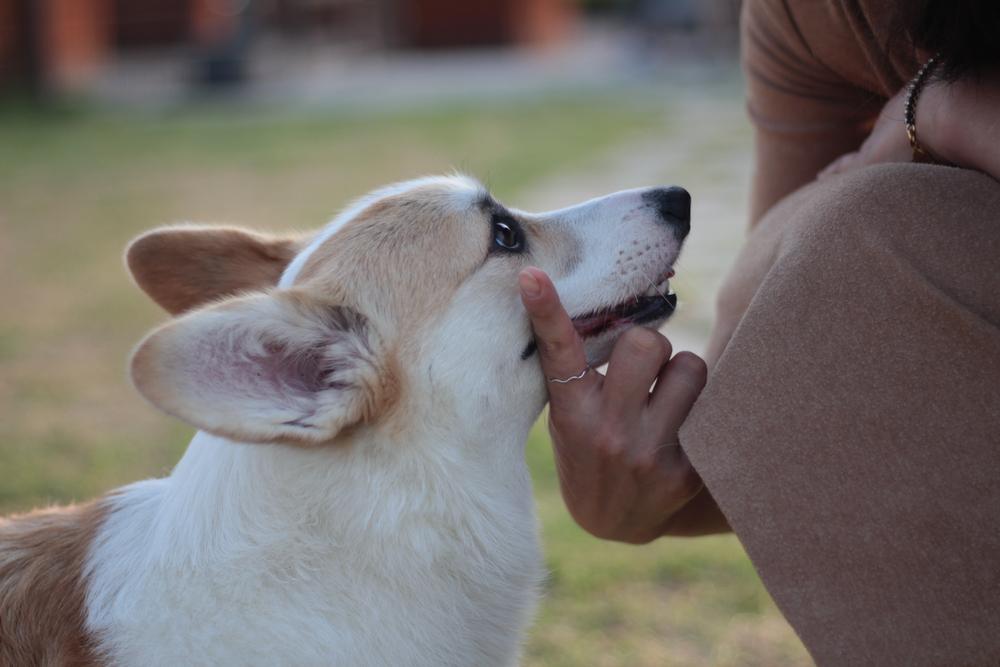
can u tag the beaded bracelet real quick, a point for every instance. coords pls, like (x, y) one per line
(916, 86)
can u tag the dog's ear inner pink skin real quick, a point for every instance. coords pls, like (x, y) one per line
(278, 367)
(182, 268)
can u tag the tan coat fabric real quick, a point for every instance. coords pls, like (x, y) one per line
(850, 430)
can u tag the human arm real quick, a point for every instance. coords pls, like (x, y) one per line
(803, 114)
(622, 471)
(803, 111)
(957, 122)
(785, 161)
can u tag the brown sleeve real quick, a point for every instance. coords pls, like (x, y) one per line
(816, 80)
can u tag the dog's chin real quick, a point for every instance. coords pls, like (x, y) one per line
(601, 329)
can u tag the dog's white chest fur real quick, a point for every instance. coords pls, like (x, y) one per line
(349, 570)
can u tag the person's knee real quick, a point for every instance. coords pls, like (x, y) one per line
(888, 229)
(833, 231)
(898, 203)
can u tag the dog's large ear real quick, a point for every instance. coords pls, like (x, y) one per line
(184, 267)
(276, 367)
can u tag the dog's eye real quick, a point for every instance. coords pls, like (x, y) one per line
(506, 235)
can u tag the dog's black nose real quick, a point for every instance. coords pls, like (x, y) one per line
(672, 202)
(674, 207)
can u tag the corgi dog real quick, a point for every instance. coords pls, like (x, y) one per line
(356, 493)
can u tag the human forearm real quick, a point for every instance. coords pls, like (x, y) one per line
(784, 162)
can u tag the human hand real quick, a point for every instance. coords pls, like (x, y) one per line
(956, 122)
(887, 142)
(621, 469)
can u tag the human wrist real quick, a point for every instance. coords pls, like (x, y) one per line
(936, 119)
(958, 121)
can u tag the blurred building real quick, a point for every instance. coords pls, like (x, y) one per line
(449, 24)
(62, 44)
(65, 45)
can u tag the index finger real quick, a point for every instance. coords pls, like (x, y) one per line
(560, 348)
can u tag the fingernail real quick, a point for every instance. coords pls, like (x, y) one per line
(529, 284)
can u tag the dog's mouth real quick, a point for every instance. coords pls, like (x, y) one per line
(655, 303)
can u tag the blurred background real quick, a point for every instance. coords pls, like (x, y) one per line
(120, 115)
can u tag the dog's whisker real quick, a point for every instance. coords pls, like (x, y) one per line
(657, 289)
(635, 296)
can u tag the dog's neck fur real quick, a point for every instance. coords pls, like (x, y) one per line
(253, 528)
(232, 496)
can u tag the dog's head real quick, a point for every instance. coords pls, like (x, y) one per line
(404, 309)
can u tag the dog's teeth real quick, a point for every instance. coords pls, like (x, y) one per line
(660, 289)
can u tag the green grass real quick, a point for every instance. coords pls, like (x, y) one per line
(674, 602)
(76, 185)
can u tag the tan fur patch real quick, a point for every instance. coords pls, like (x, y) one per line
(418, 240)
(42, 591)
(182, 268)
(418, 237)
(563, 248)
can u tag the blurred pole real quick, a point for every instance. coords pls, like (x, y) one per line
(28, 25)
(223, 31)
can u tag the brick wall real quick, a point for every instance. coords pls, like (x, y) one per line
(76, 38)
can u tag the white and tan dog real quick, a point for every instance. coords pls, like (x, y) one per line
(357, 494)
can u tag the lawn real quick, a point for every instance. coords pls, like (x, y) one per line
(77, 184)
